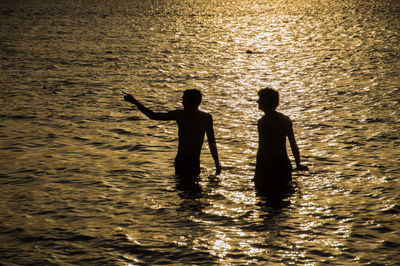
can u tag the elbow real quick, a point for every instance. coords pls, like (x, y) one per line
(151, 115)
(212, 143)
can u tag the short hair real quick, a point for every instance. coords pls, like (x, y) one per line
(269, 95)
(193, 96)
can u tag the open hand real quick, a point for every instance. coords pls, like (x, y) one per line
(128, 97)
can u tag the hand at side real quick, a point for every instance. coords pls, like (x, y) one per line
(218, 169)
(301, 168)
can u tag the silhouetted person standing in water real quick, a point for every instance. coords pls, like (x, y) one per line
(273, 168)
(193, 124)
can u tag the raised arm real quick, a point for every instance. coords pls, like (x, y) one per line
(213, 146)
(295, 149)
(146, 111)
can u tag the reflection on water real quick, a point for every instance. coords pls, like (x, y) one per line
(86, 179)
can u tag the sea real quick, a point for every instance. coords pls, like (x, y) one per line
(87, 179)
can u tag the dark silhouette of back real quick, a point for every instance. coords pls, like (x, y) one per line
(273, 167)
(193, 124)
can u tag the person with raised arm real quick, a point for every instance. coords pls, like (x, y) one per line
(193, 124)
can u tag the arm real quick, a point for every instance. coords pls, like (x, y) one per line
(213, 147)
(295, 149)
(146, 111)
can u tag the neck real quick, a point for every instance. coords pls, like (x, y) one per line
(269, 112)
(190, 109)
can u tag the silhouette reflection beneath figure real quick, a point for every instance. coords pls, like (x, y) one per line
(188, 187)
(273, 174)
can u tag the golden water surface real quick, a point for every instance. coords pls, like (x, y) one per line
(87, 179)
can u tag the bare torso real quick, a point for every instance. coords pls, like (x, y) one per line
(273, 130)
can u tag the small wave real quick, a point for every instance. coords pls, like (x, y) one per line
(138, 147)
(374, 120)
(97, 143)
(121, 131)
(17, 117)
(390, 244)
(127, 172)
(383, 229)
(132, 118)
(20, 180)
(81, 138)
(320, 253)
(382, 137)
(393, 209)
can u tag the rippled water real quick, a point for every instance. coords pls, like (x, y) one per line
(86, 179)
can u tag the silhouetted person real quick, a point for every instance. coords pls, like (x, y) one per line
(273, 168)
(193, 124)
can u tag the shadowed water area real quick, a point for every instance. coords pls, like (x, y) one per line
(85, 178)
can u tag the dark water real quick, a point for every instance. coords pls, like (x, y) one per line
(86, 179)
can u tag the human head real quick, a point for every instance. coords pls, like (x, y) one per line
(268, 99)
(191, 98)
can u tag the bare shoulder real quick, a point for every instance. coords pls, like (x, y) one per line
(284, 117)
(176, 113)
(205, 119)
(205, 115)
(274, 119)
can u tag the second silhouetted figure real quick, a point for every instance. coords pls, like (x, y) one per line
(273, 168)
